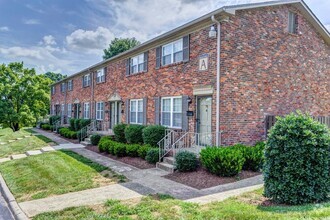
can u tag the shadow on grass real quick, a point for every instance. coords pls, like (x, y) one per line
(97, 167)
(45, 139)
(29, 130)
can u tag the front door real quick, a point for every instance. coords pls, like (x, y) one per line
(115, 113)
(204, 120)
(76, 110)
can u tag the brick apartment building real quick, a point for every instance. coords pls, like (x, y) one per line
(274, 59)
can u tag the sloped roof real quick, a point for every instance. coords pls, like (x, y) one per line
(225, 10)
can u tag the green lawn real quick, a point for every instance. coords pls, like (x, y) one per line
(20, 146)
(247, 206)
(53, 173)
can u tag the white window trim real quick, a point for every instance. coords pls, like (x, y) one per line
(171, 111)
(69, 110)
(87, 82)
(138, 63)
(86, 113)
(101, 111)
(172, 52)
(137, 111)
(63, 87)
(100, 75)
(70, 82)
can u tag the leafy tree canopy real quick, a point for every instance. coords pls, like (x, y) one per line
(55, 76)
(119, 45)
(24, 96)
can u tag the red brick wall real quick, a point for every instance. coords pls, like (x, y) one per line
(266, 70)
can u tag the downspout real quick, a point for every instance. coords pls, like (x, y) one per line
(217, 126)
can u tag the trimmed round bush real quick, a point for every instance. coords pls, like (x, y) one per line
(119, 149)
(297, 161)
(103, 143)
(119, 131)
(186, 161)
(132, 150)
(133, 134)
(142, 151)
(152, 155)
(222, 161)
(153, 134)
(95, 138)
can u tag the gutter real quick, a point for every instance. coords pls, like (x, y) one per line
(217, 126)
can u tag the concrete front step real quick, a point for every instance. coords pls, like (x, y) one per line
(88, 139)
(86, 143)
(165, 166)
(169, 160)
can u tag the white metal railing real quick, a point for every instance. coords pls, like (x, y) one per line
(102, 125)
(56, 125)
(86, 131)
(194, 142)
(165, 144)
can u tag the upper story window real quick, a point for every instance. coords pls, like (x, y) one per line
(86, 110)
(171, 112)
(99, 110)
(63, 86)
(172, 52)
(69, 110)
(70, 85)
(53, 90)
(62, 109)
(293, 23)
(100, 75)
(86, 80)
(136, 111)
(137, 64)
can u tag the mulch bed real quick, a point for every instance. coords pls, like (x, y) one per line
(202, 179)
(133, 161)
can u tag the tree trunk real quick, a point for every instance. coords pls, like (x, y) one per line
(15, 126)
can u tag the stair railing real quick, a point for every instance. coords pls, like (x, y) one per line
(56, 125)
(165, 144)
(86, 131)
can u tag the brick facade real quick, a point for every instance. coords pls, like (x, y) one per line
(264, 71)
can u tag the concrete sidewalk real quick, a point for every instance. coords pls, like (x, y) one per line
(75, 199)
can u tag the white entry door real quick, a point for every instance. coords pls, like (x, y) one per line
(115, 113)
(204, 121)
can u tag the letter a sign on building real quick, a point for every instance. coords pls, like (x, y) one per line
(203, 62)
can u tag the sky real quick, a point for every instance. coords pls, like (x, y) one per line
(67, 36)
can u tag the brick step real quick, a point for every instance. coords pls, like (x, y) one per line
(169, 160)
(165, 166)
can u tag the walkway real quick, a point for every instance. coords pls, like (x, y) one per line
(52, 136)
(5, 214)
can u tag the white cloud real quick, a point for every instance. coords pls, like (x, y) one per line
(48, 40)
(4, 29)
(31, 21)
(89, 41)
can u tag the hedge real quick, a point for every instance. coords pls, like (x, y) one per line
(66, 132)
(46, 127)
(119, 131)
(153, 134)
(297, 161)
(142, 151)
(152, 155)
(133, 134)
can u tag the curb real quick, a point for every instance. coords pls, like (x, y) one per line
(12, 204)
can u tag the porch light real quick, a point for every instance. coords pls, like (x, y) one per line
(212, 32)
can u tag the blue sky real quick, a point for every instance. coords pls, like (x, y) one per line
(68, 35)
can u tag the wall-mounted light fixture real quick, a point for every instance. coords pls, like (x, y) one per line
(212, 32)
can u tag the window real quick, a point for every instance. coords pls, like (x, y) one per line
(293, 23)
(100, 75)
(63, 87)
(53, 90)
(69, 110)
(87, 80)
(70, 85)
(172, 52)
(137, 64)
(172, 112)
(136, 111)
(86, 110)
(99, 110)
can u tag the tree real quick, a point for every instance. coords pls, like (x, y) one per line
(119, 45)
(55, 77)
(24, 96)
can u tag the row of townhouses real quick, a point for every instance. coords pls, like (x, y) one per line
(221, 74)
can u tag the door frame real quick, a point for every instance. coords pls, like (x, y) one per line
(117, 116)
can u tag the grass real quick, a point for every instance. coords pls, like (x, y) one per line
(23, 145)
(247, 206)
(53, 173)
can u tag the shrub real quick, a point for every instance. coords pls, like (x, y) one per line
(133, 134)
(95, 138)
(77, 124)
(110, 146)
(152, 155)
(132, 150)
(254, 156)
(186, 161)
(72, 121)
(66, 132)
(142, 151)
(153, 134)
(119, 149)
(119, 131)
(53, 119)
(46, 127)
(297, 164)
(83, 123)
(224, 161)
(102, 143)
